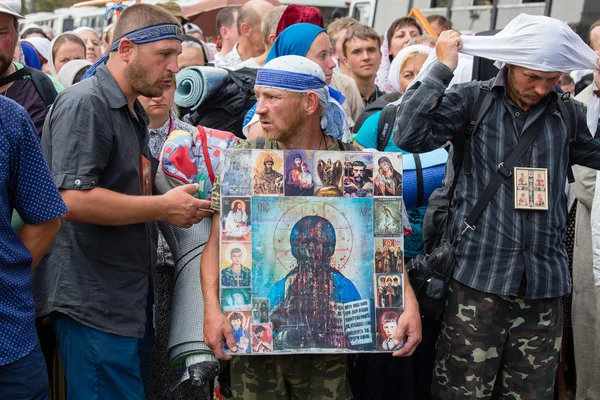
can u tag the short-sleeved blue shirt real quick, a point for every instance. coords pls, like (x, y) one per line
(26, 186)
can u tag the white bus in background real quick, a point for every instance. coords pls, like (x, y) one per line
(67, 19)
(474, 15)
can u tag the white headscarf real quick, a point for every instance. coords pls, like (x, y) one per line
(85, 28)
(50, 51)
(69, 70)
(299, 74)
(398, 63)
(41, 45)
(534, 42)
(384, 68)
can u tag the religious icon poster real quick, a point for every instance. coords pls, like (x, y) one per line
(311, 253)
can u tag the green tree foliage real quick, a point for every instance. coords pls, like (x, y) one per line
(51, 5)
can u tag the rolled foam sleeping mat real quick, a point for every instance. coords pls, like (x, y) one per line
(196, 84)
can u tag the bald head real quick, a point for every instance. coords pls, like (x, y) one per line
(140, 16)
(252, 14)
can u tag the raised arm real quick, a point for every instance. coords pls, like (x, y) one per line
(429, 117)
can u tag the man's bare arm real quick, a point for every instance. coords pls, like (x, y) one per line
(216, 326)
(409, 324)
(38, 237)
(104, 207)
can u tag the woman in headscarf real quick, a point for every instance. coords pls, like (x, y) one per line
(312, 42)
(42, 48)
(93, 50)
(71, 72)
(64, 48)
(403, 70)
(395, 39)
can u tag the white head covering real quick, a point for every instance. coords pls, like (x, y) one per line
(299, 74)
(85, 28)
(398, 62)
(51, 57)
(384, 68)
(69, 70)
(41, 45)
(534, 42)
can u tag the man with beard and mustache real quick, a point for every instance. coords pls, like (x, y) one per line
(34, 92)
(96, 281)
(292, 96)
(358, 185)
(512, 266)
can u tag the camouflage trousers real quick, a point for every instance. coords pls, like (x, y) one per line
(497, 347)
(314, 377)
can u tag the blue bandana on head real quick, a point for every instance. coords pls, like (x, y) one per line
(299, 74)
(148, 34)
(295, 40)
(287, 80)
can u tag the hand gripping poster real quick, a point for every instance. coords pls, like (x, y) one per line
(311, 251)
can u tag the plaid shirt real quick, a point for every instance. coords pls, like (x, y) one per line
(507, 245)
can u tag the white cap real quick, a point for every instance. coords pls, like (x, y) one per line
(11, 7)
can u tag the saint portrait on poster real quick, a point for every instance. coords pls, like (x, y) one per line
(236, 219)
(358, 175)
(299, 179)
(315, 257)
(268, 173)
(330, 172)
(236, 264)
(235, 172)
(312, 251)
(388, 174)
(530, 188)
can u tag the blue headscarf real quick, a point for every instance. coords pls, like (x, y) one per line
(30, 55)
(295, 40)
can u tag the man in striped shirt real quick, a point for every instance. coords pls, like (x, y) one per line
(502, 325)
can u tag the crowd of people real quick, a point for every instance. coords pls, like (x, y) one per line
(98, 218)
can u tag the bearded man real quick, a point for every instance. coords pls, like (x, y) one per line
(96, 281)
(292, 96)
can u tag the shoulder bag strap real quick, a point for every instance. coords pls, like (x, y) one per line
(206, 154)
(483, 103)
(385, 125)
(420, 184)
(505, 169)
(569, 114)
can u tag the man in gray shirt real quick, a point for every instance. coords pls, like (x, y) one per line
(97, 280)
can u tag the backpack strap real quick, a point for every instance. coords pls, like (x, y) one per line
(15, 76)
(505, 170)
(484, 100)
(567, 110)
(385, 125)
(206, 154)
(43, 85)
(420, 184)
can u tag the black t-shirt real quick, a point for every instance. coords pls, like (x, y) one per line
(23, 91)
